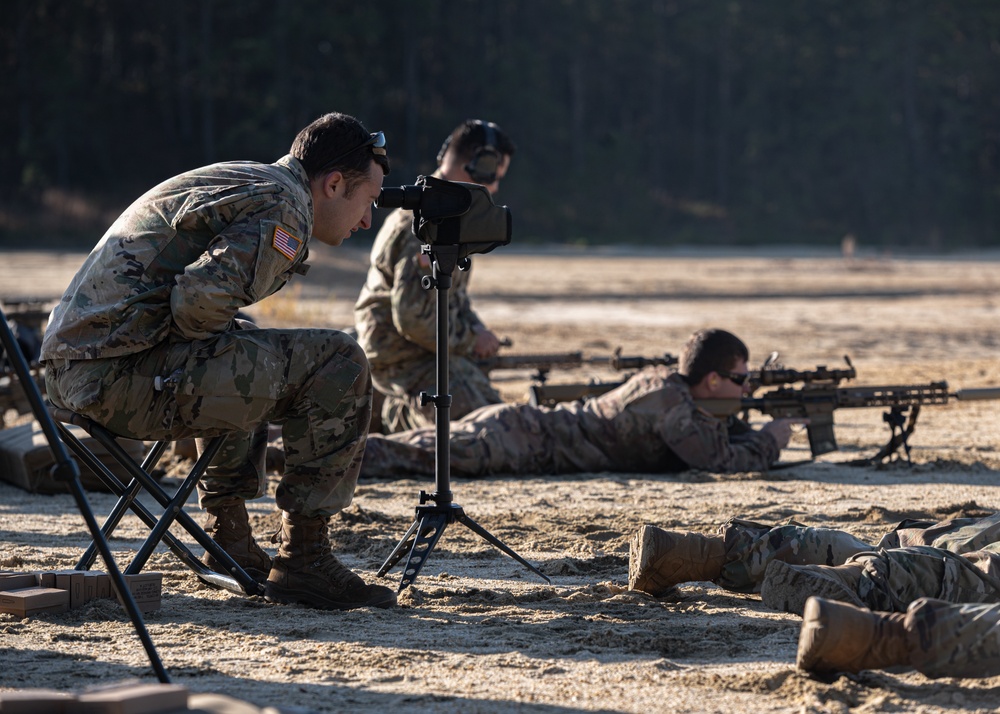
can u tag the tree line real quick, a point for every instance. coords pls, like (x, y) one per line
(644, 121)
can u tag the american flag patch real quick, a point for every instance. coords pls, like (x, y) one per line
(285, 243)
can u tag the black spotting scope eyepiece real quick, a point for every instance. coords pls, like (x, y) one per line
(407, 197)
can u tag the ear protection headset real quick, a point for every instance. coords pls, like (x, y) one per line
(482, 168)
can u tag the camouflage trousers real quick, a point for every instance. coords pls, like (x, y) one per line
(953, 640)
(314, 383)
(469, 386)
(750, 547)
(495, 439)
(956, 561)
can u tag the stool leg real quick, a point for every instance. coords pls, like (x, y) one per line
(237, 581)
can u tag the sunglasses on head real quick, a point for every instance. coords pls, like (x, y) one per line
(736, 378)
(376, 141)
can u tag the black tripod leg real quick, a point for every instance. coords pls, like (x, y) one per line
(429, 531)
(397, 553)
(490, 538)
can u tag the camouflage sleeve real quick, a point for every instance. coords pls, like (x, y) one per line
(239, 267)
(465, 318)
(703, 441)
(414, 309)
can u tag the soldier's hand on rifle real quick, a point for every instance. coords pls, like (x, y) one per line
(487, 344)
(781, 430)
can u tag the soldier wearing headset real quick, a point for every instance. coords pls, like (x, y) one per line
(395, 316)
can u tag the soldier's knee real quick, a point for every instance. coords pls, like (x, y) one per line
(353, 351)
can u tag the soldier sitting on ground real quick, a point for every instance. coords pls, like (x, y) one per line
(649, 424)
(395, 315)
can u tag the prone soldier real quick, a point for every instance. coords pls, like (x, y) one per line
(649, 424)
(864, 605)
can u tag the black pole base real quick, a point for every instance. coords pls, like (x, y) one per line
(424, 533)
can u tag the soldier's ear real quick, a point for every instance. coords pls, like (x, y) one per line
(327, 185)
(333, 183)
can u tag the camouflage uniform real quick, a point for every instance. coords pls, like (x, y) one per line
(957, 560)
(396, 323)
(156, 301)
(953, 640)
(649, 424)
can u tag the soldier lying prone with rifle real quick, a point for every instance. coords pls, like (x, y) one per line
(649, 424)
(816, 401)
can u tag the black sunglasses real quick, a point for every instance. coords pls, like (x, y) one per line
(376, 141)
(736, 378)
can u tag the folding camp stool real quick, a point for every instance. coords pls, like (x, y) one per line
(237, 580)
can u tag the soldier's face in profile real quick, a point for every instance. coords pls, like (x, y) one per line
(730, 389)
(340, 209)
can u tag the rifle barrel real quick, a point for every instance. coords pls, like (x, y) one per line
(970, 395)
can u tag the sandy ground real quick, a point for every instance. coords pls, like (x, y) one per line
(478, 632)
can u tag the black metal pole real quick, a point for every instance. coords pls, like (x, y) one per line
(66, 469)
(442, 400)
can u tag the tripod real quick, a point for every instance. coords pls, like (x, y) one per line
(66, 469)
(431, 520)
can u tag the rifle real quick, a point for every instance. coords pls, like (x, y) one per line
(545, 362)
(818, 402)
(542, 394)
(769, 374)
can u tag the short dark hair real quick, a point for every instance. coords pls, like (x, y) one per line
(708, 351)
(469, 136)
(333, 135)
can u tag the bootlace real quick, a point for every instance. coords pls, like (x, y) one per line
(336, 572)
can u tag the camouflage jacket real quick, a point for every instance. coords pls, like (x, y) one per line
(183, 258)
(394, 315)
(651, 423)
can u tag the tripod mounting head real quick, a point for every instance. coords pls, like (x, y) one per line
(451, 213)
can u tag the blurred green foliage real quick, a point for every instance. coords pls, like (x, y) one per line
(650, 121)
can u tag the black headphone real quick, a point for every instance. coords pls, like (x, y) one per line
(485, 162)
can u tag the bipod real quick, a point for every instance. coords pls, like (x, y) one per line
(66, 469)
(431, 520)
(900, 429)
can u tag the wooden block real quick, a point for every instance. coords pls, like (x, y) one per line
(146, 590)
(72, 581)
(34, 601)
(26, 460)
(47, 580)
(104, 589)
(133, 699)
(34, 701)
(15, 581)
(92, 584)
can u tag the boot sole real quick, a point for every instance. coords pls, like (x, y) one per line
(639, 557)
(277, 594)
(259, 576)
(813, 637)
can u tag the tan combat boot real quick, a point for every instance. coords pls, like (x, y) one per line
(787, 587)
(660, 559)
(837, 637)
(306, 572)
(229, 526)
